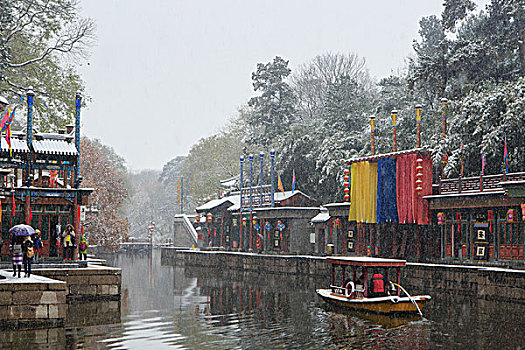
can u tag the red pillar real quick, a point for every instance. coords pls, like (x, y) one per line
(251, 231)
(76, 225)
(27, 208)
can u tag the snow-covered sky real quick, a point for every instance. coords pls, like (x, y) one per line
(165, 73)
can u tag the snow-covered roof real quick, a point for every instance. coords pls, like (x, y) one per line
(216, 202)
(54, 147)
(323, 216)
(230, 182)
(385, 155)
(17, 145)
(278, 197)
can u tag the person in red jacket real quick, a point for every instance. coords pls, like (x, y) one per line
(377, 285)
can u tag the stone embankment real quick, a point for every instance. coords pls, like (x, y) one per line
(492, 283)
(26, 302)
(90, 283)
(42, 300)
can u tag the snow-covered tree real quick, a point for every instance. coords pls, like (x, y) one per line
(273, 110)
(103, 170)
(311, 81)
(40, 42)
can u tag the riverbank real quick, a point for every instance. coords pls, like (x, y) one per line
(42, 300)
(491, 283)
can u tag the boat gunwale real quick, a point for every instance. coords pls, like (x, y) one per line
(327, 293)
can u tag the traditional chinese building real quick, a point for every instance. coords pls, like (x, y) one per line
(400, 207)
(284, 227)
(42, 188)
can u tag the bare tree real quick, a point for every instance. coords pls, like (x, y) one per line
(48, 27)
(312, 80)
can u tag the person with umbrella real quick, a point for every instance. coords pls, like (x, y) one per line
(29, 252)
(18, 232)
(17, 257)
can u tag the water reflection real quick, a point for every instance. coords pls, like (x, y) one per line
(204, 308)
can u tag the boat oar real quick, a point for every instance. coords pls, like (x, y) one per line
(409, 297)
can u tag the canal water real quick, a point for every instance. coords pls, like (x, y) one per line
(196, 308)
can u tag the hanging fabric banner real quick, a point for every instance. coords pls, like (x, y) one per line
(411, 207)
(386, 191)
(363, 198)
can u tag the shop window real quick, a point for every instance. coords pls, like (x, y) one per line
(45, 227)
(64, 208)
(64, 221)
(50, 208)
(18, 219)
(5, 228)
(35, 222)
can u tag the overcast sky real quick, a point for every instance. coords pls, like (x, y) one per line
(165, 73)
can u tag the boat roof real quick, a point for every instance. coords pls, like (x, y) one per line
(366, 261)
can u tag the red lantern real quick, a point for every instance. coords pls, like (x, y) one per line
(244, 220)
(523, 211)
(419, 175)
(346, 171)
(197, 218)
(209, 217)
(511, 215)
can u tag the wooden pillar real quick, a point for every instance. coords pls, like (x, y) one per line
(222, 229)
(372, 135)
(27, 208)
(398, 281)
(366, 282)
(418, 125)
(240, 230)
(250, 247)
(394, 129)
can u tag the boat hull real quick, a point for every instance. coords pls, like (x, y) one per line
(380, 305)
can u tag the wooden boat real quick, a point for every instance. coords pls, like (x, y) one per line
(359, 294)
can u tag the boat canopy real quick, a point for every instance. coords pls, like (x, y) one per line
(366, 261)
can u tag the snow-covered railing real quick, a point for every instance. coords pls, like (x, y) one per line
(191, 230)
(478, 184)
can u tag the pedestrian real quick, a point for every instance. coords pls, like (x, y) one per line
(37, 246)
(17, 256)
(29, 252)
(82, 248)
(68, 238)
